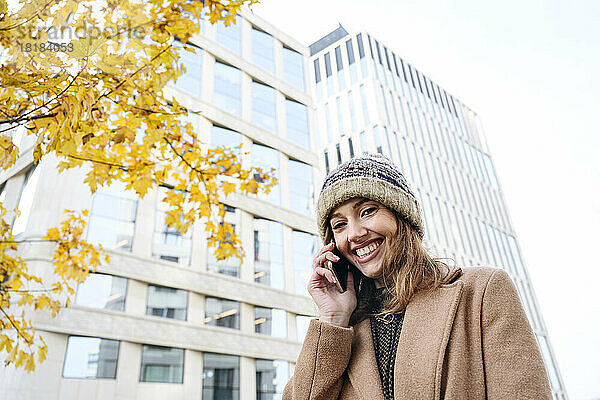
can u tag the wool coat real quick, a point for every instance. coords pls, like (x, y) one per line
(468, 339)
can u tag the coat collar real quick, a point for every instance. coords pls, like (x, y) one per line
(425, 331)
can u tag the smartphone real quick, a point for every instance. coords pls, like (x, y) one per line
(339, 269)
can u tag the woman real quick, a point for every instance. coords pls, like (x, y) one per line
(408, 326)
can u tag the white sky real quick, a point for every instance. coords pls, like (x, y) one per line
(527, 68)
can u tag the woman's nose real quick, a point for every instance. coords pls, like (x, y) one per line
(356, 231)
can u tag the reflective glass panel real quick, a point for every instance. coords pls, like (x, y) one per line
(222, 312)
(293, 68)
(265, 158)
(263, 49)
(168, 243)
(270, 321)
(228, 88)
(230, 36)
(191, 79)
(167, 302)
(302, 322)
(271, 378)
(221, 377)
(102, 291)
(268, 253)
(231, 265)
(90, 357)
(264, 100)
(297, 123)
(301, 187)
(26, 199)
(161, 364)
(305, 246)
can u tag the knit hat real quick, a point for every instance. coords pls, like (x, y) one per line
(374, 177)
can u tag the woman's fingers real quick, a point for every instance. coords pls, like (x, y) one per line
(319, 273)
(319, 260)
(327, 247)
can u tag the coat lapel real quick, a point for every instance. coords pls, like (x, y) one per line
(362, 368)
(423, 340)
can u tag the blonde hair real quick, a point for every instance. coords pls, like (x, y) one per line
(407, 269)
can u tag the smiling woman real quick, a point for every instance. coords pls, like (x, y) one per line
(407, 326)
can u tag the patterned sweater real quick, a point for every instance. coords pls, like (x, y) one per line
(386, 332)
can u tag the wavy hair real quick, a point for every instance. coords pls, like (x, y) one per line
(407, 269)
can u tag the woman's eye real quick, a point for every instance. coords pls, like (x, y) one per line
(368, 211)
(338, 225)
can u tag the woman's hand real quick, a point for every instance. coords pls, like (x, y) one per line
(334, 307)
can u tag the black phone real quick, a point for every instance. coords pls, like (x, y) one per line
(340, 270)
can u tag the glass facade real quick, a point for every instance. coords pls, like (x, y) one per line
(102, 291)
(268, 253)
(270, 321)
(271, 377)
(162, 364)
(297, 123)
(230, 36)
(222, 312)
(191, 79)
(265, 157)
(26, 199)
(112, 218)
(264, 106)
(227, 93)
(221, 377)
(229, 266)
(305, 246)
(302, 322)
(168, 244)
(167, 302)
(301, 187)
(91, 357)
(293, 68)
(263, 50)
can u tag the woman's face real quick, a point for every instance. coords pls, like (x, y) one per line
(363, 230)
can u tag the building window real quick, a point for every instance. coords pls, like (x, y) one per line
(26, 197)
(91, 357)
(221, 377)
(169, 244)
(318, 80)
(230, 36)
(102, 291)
(167, 302)
(222, 312)
(161, 364)
(352, 111)
(326, 155)
(112, 219)
(340, 68)
(191, 79)
(340, 112)
(328, 121)
(305, 247)
(297, 123)
(329, 79)
(270, 321)
(365, 104)
(302, 323)
(230, 266)
(301, 187)
(351, 62)
(268, 253)
(350, 147)
(225, 138)
(271, 378)
(264, 99)
(265, 157)
(263, 50)
(293, 68)
(377, 137)
(227, 88)
(361, 52)
(363, 142)
(338, 153)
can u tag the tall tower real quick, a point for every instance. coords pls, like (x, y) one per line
(165, 319)
(368, 99)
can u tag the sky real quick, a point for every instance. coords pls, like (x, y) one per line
(527, 68)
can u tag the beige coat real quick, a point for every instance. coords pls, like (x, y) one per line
(469, 339)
